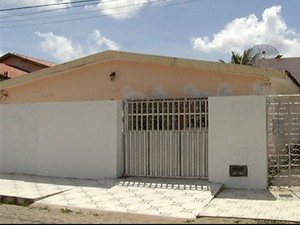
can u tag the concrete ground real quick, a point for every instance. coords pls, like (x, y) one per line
(180, 199)
(33, 214)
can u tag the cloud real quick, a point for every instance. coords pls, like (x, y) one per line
(65, 49)
(26, 3)
(103, 42)
(246, 32)
(123, 9)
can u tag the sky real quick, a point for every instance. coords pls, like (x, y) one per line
(63, 30)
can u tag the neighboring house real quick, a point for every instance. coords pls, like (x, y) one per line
(14, 65)
(291, 65)
(113, 75)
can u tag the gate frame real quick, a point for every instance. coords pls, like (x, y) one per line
(181, 119)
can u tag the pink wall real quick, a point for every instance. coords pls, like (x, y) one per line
(134, 80)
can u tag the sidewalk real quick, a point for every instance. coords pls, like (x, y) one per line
(174, 198)
(276, 204)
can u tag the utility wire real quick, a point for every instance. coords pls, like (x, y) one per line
(96, 2)
(90, 17)
(45, 5)
(38, 12)
(42, 11)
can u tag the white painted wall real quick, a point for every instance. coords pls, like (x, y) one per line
(237, 136)
(66, 139)
(84, 139)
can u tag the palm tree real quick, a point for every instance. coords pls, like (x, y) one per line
(247, 58)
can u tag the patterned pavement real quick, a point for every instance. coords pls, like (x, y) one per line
(158, 197)
(273, 204)
(180, 198)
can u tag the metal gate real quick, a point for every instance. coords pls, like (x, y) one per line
(166, 138)
(283, 122)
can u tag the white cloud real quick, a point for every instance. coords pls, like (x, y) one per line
(65, 49)
(60, 47)
(102, 42)
(26, 3)
(123, 9)
(246, 32)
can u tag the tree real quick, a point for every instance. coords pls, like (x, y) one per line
(247, 58)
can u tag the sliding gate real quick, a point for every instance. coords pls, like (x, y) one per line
(166, 138)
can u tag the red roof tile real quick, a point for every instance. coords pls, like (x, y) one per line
(40, 61)
(35, 60)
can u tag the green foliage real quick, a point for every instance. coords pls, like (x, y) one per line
(247, 58)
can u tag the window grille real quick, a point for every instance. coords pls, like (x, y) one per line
(166, 114)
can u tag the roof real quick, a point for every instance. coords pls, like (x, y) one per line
(142, 58)
(12, 72)
(35, 60)
(290, 64)
(13, 65)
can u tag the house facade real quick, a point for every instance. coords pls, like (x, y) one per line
(115, 113)
(115, 75)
